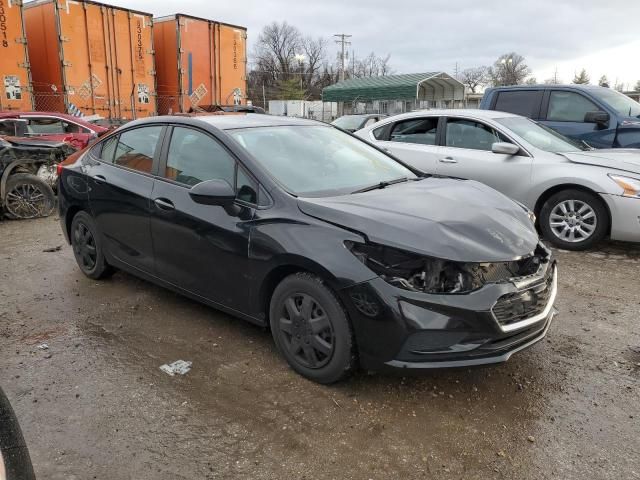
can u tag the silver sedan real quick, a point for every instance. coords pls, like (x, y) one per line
(580, 195)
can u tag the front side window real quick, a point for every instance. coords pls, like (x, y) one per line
(417, 130)
(470, 134)
(318, 161)
(569, 107)
(136, 148)
(194, 157)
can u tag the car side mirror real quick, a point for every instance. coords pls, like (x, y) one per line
(213, 192)
(505, 148)
(599, 118)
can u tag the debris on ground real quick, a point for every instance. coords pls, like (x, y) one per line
(179, 367)
(53, 249)
(43, 346)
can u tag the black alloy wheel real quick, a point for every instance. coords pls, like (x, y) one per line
(87, 247)
(311, 329)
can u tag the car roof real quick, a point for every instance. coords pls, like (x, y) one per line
(78, 120)
(488, 114)
(246, 120)
(544, 86)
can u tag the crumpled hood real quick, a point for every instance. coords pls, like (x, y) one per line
(617, 158)
(447, 218)
(33, 142)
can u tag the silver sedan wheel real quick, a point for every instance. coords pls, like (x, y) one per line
(573, 221)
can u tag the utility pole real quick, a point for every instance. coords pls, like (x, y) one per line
(343, 43)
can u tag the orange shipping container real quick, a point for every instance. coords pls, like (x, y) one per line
(14, 62)
(90, 58)
(199, 62)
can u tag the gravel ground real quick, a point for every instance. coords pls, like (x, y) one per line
(96, 405)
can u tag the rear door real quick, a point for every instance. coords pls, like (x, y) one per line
(202, 248)
(413, 140)
(564, 112)
(120, 185)
(466, 153)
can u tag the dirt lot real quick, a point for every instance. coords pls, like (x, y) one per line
(96, 405)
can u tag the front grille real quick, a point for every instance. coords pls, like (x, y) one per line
(516, 307)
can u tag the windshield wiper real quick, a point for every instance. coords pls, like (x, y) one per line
(380, 185)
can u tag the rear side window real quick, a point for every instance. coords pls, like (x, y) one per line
(417, 130)
(105, 150)
(378, 133)
(569, 107)
(195, 157)
(46, 126)
(520, 102)
(136, 148)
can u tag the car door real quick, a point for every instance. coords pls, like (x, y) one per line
(466, 153)
(565, 112)
(413, 140)
(202, 248)
(120, 185)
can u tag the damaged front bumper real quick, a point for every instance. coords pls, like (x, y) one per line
(403, 329)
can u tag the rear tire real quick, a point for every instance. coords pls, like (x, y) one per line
(574, 219)
(27, 196)
(311, 329)
(87, 247)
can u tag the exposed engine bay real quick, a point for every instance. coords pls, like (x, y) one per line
(419, 273)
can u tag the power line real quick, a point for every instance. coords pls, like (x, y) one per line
(343, 42)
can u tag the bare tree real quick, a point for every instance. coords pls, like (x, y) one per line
(474, 77)
(370, 66)
(509, 69)
(604, 81)
(531, 81)
(637, 87)
(581, 78)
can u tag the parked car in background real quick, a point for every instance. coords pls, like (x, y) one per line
(579, 195)
(599, 116)
(27, 175)
(352, 123)
(58, 127)
(349, 256)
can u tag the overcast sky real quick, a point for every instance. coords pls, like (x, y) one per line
(599, 35)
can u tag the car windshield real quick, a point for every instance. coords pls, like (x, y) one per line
(317, 161)
(540, 136)
(622, 104)
(348, 122)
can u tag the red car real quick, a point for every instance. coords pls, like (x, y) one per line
(56, 126)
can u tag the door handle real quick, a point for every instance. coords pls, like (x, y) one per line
(164, 204)
(448, 160)
(99, 178)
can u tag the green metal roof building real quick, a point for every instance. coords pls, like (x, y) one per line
(416, 87)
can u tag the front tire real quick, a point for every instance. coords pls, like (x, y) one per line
(87, 247)
(28, 196)
(311, 329)
(574, 220)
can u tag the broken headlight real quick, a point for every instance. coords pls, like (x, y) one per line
(420, 273)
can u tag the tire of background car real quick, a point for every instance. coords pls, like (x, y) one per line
(311, 329)
(27, 196)
(87, 247)
(588, 214)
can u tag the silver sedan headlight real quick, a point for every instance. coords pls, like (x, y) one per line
(630, 186)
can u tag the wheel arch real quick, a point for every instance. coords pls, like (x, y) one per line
(544, 196)
(13, 168)
(288, 266)
(71, 212)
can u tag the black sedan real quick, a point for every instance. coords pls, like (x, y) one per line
(351, 257)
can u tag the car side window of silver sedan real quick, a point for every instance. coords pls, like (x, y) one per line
(415, 130)
(470, 134)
